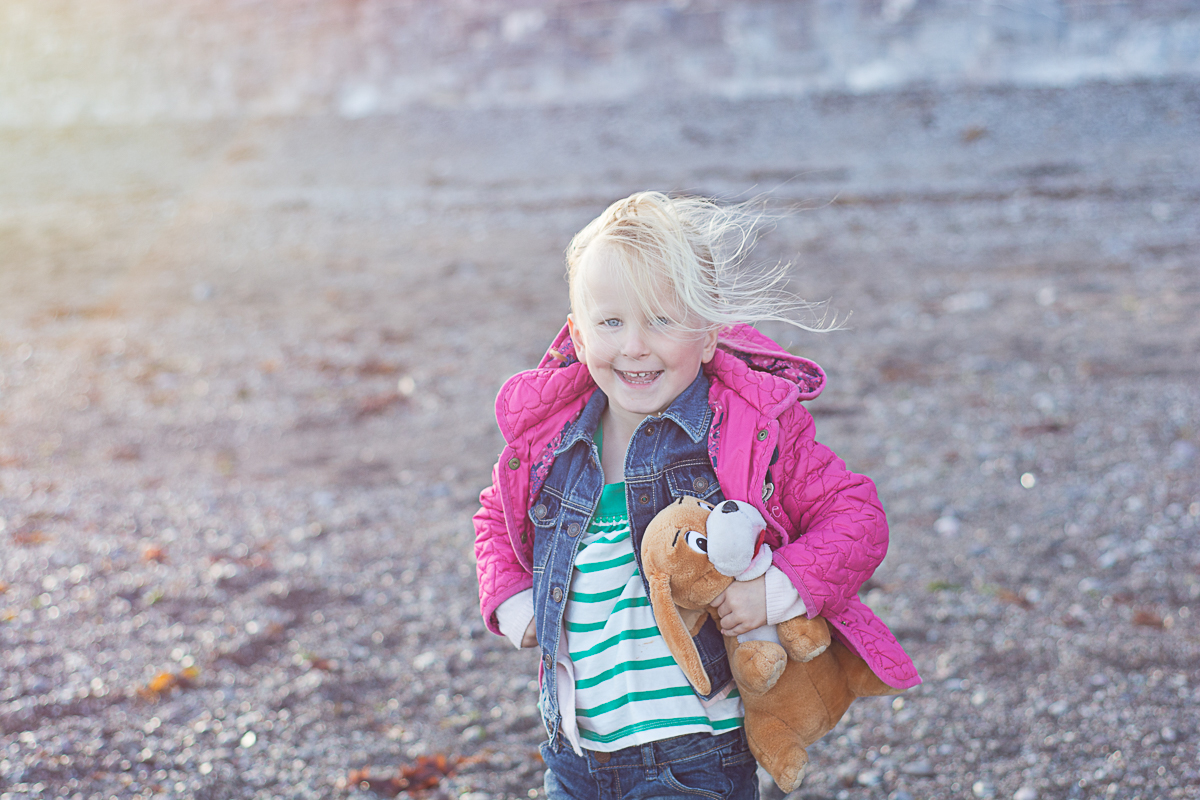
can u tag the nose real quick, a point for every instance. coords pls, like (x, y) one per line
(634, 343)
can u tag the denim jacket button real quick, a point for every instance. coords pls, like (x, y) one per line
(649, 430)
(573, 529)
(548, 660)
(539, 511)
(700, 483)
(556, 594)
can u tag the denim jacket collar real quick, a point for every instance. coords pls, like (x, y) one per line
(584, 428)
(689, 411)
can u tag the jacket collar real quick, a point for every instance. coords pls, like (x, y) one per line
(689, 411)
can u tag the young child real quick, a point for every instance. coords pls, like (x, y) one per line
(657, 387)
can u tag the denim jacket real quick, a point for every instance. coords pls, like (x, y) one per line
(667, 458)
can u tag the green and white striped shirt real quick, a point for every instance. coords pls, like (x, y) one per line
(628, 688)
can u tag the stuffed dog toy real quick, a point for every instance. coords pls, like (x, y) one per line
(795, 682)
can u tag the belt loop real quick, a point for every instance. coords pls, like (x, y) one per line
(648, 761)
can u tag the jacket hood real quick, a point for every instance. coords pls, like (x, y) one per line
(763, 355)
(560, 378)
(530, 397)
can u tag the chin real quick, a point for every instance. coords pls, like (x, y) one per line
(645, 409)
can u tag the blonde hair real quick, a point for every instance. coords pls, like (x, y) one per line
(699, 249)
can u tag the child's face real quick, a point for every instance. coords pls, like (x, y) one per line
(641, 364)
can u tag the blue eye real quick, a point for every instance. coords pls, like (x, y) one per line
(610, 323)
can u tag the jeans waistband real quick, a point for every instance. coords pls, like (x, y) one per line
(662, 751)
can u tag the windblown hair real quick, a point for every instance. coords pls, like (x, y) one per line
(699, 249)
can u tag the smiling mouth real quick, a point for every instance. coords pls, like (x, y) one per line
(638, 378)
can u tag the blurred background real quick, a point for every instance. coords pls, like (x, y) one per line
(131, 61)
(264, 266)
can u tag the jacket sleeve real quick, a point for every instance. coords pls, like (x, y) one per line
(500, 573)
(842, 531)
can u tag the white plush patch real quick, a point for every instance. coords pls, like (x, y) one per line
(767, 633)
(758, 566)
(733, 529)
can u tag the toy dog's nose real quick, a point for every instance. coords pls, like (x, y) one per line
(729, 507)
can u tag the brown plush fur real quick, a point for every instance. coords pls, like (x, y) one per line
(795, 693)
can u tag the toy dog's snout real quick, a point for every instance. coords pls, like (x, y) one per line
(735, 537)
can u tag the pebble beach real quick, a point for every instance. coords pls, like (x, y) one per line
(248, 359)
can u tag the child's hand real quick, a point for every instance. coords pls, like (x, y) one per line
(743, 606)
(530, 637)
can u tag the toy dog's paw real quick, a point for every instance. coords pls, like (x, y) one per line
(777, 749)
(757, 666)
(811, 654)
(804, 639)
(790, 779)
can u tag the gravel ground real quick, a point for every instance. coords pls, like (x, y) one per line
(246, 373)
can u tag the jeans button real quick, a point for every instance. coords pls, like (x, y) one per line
(602, 757)
(644, 499)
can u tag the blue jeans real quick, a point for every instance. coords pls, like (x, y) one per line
(690, 766)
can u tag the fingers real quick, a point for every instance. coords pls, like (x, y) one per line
(720, 602)
(741, 607)
(732, 622)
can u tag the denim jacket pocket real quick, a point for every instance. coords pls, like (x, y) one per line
(544, 514)
(694, 478)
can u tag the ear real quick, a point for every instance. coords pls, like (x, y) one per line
(710, 346)
(674, 632)
(576, 335)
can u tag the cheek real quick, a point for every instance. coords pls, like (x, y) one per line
(599, 350)
(686, 354)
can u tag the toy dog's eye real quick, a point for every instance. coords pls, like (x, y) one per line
(697, 541)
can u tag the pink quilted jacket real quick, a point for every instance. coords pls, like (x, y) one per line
(828, 531)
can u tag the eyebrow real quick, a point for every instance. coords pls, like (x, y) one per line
(676, 539)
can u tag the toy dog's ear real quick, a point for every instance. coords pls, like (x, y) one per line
(660, 562)
(675, 633)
